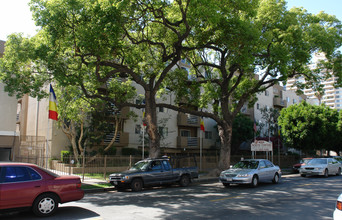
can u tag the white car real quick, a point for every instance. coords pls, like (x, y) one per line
(321, 166)
(338, 209)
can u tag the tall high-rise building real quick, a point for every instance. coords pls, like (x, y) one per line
(331, 96)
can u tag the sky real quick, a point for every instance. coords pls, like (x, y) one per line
(16, 17)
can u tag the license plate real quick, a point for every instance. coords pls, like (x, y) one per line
(229, 179)
(115, 183)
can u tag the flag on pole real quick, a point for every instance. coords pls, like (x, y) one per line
(202, 125)
(255, 127)
(143, 118)
(53, 105)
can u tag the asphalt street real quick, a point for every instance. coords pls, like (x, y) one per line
(294, 197)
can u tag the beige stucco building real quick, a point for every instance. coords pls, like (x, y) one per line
(9, 138)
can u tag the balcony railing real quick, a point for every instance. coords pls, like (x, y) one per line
(279, 102)
(121, 139)
(188, 120)
(184, 142)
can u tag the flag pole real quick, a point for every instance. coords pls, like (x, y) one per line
(47, 144)
(201, 146)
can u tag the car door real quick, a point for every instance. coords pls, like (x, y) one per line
(335, 165)
(168, 176)
(270, 170)
(18, 187)
(154, 174)
(262, 171)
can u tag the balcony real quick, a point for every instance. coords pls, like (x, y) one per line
(188, 142)
(121, 139)
(277, 101)
(188, 120)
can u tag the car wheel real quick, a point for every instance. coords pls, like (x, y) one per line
(303, 175)
(184, 180)
(276, 178)
(45, 205)
(137, 185)
(255, 181)
(338, 172)
(226, 184)
(326, 173)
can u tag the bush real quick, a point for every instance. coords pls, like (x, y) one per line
(130, 151)
(65, 156)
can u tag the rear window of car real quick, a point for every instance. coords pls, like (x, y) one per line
(18, 174)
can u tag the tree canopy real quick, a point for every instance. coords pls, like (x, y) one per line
(110, 48)
(308, 127)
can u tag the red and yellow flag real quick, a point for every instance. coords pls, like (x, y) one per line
(202, 124)
(53, 105)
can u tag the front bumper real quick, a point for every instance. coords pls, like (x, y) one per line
(312, 172)
(236, 180)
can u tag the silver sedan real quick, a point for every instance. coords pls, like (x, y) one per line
(321, 166)
(251, 171)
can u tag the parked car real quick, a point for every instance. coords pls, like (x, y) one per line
(251, 171)
(338, 158)
(25, 185)
(338, 209)
(302, 162)
(153, 172)
(321, 166)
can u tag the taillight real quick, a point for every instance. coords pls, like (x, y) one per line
(78, 185)
(339, 205)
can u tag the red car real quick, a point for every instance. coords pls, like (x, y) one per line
(302, 162)
(27, 185)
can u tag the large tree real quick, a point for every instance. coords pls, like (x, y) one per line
(245, 47)
(104, 46)
(308, 127)
(97, 43)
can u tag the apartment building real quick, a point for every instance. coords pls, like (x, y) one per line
(276, 97)
(9, 138)
(331, 96)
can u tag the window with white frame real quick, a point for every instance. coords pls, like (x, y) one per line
(137, 129)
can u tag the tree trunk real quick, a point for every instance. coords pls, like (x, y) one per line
(152, 127)
(70, 132)
(225, 133)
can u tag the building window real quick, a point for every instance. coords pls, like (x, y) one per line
(294, 101)
(288, 99)
(185, 133)
(267, 93)
(163, 131)
(161, 109)
(137, 129)
(258, 106)
(208, 135)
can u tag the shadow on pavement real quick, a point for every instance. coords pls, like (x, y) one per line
(65, 213)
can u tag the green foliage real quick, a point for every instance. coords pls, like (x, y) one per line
(306, 127)
(65, 156)
(110, 152)
(242, 131)
(131, 151)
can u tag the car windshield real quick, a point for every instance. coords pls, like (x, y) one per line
(304, 160)
(317, 161)
(246, 164)
(141, 165)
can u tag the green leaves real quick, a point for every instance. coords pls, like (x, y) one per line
(308, 127)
